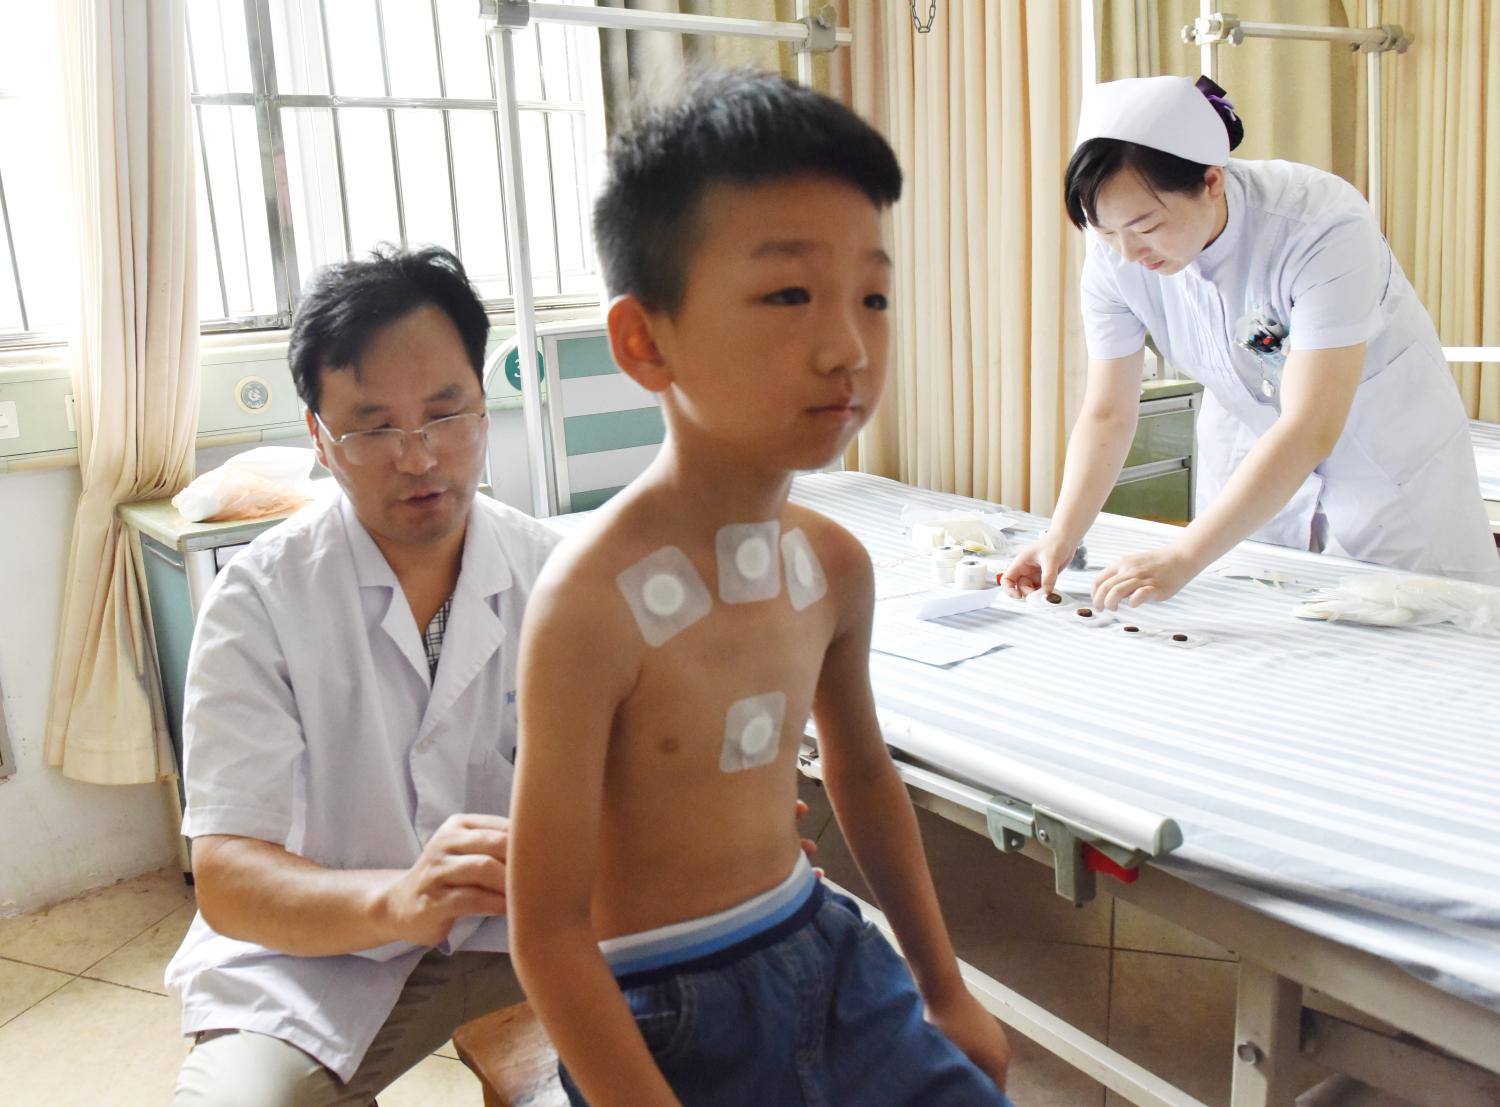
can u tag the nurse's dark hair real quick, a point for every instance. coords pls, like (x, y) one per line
(1099, 159)
(738, 126)
(345, 304)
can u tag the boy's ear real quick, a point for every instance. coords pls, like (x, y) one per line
(633, 345)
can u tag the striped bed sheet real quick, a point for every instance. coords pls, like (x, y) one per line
(1486, 438)
(1341, 778)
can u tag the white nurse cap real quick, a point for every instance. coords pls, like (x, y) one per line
(1164, 113)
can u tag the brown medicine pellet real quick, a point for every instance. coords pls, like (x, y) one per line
(1085, 613)
(1179, 638)
(1131, 630)
(1053, 597)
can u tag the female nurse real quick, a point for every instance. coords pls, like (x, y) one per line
(1330, 421)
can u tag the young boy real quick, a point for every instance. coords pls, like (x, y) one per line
(664, 921)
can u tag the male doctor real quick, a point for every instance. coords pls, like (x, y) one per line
(1330, 421)
(350, 718)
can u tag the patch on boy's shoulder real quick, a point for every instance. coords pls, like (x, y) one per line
(833, 543)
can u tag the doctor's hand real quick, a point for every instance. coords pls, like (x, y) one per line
(1036, 567)
(978, 1033)
(461, 871)
(809, 846)
(1147, 577)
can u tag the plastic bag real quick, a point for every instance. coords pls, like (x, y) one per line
(1390, 600)
(268, 480)
(981, 534)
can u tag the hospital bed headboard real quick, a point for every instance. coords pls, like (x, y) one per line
(602, 428)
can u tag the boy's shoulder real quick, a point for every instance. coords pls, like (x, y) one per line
(844, 556)
(631, 527)
(585, 572)
(579, 581)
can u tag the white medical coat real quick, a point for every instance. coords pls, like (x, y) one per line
(310, 721)
(1400, 487)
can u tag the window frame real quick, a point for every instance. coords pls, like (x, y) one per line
(268, 102)
(15, 263)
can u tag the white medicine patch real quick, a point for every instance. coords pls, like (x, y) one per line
(665, 594)
(748, 568)
(805, 582)
(752, 732)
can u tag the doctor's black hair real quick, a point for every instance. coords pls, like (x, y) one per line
(1099, 159)
(346, 303)
(737, 126)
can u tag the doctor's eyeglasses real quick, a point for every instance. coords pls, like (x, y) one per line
(449, 435)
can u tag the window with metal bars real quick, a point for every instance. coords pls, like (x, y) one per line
(323, 128)
(38, 264)
(327, 126)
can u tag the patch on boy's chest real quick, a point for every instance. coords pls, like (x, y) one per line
(667, 594)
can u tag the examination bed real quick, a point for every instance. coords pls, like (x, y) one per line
(1332, 792)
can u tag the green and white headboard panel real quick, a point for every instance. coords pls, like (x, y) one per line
(605, 428)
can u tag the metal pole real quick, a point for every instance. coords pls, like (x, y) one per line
(1208, 53)
(633, 20)
(542, 498)
(1374, 183)
(1089, 44)
(804, 58)
(442, 72)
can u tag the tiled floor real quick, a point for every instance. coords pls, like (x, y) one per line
(84, 1018)
(85, 1021)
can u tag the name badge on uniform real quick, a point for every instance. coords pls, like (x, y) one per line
(1260, 332)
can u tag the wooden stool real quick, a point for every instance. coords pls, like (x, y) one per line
(508, 1050)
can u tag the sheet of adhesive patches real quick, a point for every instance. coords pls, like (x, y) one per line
(1343, 778)
(1486, 437)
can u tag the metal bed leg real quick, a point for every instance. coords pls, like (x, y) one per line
(1267, 1039)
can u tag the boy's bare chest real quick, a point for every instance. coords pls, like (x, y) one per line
(740, 659)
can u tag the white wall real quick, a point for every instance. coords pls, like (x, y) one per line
(58, 837)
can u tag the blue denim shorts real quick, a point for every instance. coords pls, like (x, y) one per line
(818, 1012)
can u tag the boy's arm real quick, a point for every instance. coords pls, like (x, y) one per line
(577, 665)
(880, 826)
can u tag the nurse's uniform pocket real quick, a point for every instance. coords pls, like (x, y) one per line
(1403, 415)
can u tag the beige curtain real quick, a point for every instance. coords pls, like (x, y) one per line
(646, 65)
(987, 362)
(124, 67)
(1440, 129)
(1301, 101)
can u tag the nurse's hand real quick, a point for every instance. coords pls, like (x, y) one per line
(461, 871)
(1036, 567)
(1147, 577)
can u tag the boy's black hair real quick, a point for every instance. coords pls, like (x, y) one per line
(738, 126)
(347, 302)
(1099, 159)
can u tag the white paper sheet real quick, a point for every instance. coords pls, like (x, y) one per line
(904, 636)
